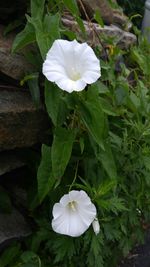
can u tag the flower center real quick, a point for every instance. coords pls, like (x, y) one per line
(74, 74)
(72, 205)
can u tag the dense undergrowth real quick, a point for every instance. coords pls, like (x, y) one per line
(99, 141)
(133, 9)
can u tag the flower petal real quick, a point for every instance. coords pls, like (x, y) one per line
(90, 76)
(70, 86)
(73, 214)
(87, 213)
(58, 209)
(69, 223)
(65, 200)
(71, 65)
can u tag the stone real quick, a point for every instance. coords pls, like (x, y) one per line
(101, 5)
(13, 226)
(21, 123)
(9, 161)
(10, 10)
(140, 255)
(122, 38)
(12, 65)
(108, 14)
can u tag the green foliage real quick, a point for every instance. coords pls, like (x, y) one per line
(99, 142)
(10, 255)
(132, 8)
(26, 37)
(45, 176)
(61, 150)
(93, 116)
(55, 104)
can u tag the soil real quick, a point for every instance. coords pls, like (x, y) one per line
(140, 256)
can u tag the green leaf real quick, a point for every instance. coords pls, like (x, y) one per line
(52, 100)
(55, 104)
(93, 118)
(106, 158)
(12, 26)
(47, 31)
(69, 34)
(9, 254)
(25, 37)
(28, 256)
(112, 232)
(101, 87)
(107, 108)
(72, 6)
(35, 90)
(81, 142)
(65, 247)
(37, 8)
(81, 25)
(105, 187)
(98, 18)
(32, 80)
(44, 174)
(146, 161)
(61, 150)
(113, 204)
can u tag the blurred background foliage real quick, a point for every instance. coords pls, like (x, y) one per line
(132, 9)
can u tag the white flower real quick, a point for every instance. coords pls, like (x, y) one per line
(96, 226)
(73, 214)
(71, 65)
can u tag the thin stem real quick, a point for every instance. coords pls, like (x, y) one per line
(75, 176)
(92, 26)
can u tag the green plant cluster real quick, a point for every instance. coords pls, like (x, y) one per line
(99, 141)
(133, 9)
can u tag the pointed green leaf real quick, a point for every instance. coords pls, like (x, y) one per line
(98, 18)
(25, 37)
(56, 107)
(93, 118)
(32, 80)
(72, 6)
(47, 31)
(61, 150)
(106, 158)
(44, 175)
(105, 187)
(37, 8)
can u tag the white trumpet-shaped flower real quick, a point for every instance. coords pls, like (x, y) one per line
(74, 214)
(71, 65)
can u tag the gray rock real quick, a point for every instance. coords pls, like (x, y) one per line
(13, 226)
(108, 14)
(13, 65)
(21, 123)
(9, 161)
(121, 38)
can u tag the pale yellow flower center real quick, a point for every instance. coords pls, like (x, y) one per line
(72, 205)
(74, 74)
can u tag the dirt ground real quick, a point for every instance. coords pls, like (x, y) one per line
(140, 257)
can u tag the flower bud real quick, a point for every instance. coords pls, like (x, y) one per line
(96, 226)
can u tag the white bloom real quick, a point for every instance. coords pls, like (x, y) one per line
(71, 65)
(73, 214)
(96, 226)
